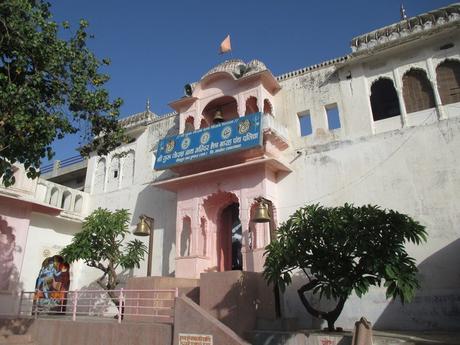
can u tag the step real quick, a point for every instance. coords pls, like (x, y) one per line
(283, 324)
(267, 337)
(16, 339)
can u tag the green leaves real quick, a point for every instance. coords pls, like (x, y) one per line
(101, 243)
(346, 249)
(49, 87)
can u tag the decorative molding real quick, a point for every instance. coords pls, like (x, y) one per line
(304, 70)
(426, 22)
(237, 68)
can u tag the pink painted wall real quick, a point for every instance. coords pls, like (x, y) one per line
(204, 200)
(190, 318)
(221, 85)
(200, 227)
(14, 225)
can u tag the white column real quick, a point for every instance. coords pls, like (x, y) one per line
(434, 85)
(399, 92)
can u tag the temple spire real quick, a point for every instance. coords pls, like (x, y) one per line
(147, 105)
(402, 12)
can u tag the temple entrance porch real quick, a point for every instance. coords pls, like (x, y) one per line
(214, 232)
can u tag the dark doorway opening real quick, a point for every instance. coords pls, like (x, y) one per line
(231, 236)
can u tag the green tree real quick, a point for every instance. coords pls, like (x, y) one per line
(345, 249)
(49, 87)
(101, 244)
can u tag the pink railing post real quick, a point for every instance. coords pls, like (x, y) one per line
(120, 305)
(20, 302)
(156, 303)
(35, 305)
(176, 295)
(74, 309)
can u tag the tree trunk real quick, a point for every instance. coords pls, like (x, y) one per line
(330, 316)
(110, 286)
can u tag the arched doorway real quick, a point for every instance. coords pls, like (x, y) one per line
(230, 239)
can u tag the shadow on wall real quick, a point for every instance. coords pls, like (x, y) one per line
(8, 270)
(60, 226)
(436, 306)
(161, 215)
(293, 307)
(99, 303)
(10, 284)
(226, 310)
(15, 326)
(237, 299)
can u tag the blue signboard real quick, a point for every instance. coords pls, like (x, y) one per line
(239, 134)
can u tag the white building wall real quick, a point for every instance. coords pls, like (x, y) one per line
(135, 194)
(415, 171)
(47, 236)
(410, 163)
(412, 166)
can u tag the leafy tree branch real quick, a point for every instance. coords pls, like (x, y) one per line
(343, 250)
(102, 244)
(49, 86)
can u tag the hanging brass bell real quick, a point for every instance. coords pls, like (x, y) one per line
(261, 214)
(218, 118)
(142, 228)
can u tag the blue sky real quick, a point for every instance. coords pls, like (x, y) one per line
(157, 47)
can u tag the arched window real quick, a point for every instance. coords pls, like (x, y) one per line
(128, 169)
(66, 199)
(417, 91)
(78, 203)
(448, 78)
(219, 110)
(186, 237)
(189, 125)
(204, 123)
(99, 177)
(384, 100)
(251, 105)
(114, 174)
(53, 201)
(268, 109)
(203, 237)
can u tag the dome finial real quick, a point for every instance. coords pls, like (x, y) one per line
(402, 11)
(147, 105)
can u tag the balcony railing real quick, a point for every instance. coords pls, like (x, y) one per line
(61, 164)
(155, 305)
(71, 200)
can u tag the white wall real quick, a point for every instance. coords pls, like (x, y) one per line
(47, 236)
(415, 171)
(139, 197)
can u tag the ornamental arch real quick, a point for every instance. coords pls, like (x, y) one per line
(417, 91)
(227, 105)
(448, 80)
(384, 99)
(251, 105)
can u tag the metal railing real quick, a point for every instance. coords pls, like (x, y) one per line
(155, 305)
(62, 164)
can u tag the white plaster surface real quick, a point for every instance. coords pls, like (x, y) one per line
(410, 163)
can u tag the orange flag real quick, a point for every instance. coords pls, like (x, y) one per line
(225, 46)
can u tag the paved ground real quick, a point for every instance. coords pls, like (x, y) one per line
(420, 337)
